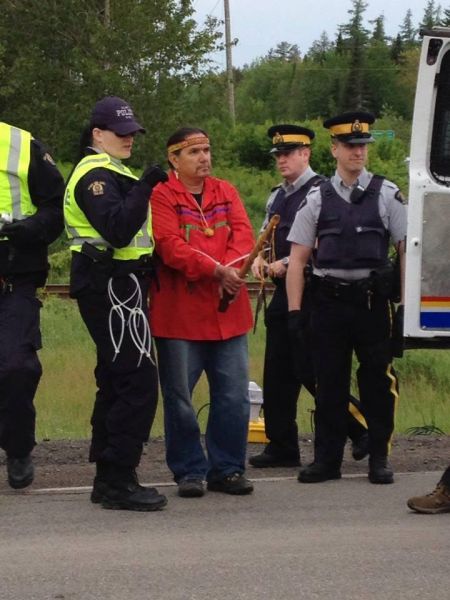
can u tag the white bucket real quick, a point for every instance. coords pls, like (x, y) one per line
(256, 399)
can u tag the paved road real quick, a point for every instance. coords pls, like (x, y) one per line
(340, 540)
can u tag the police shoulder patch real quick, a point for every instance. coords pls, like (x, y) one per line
(97, 188)
(400, 197)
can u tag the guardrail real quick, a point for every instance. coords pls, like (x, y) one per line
(62, 289)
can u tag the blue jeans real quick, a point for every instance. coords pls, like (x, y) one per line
(225, 362)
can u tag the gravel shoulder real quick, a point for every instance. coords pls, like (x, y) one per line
(65, 463)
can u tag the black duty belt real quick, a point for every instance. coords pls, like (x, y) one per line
(358, 292)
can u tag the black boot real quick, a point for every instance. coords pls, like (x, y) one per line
(380, 471)
(360, 447)
(317, 472)
(268, 459)
(20, 471)
(125, 493)
(100, 486)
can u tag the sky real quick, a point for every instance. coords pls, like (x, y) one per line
(260, 25)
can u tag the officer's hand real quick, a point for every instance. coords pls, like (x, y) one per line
(277, 269)
(397, 331)
(20, 232)
(154, 175)
(296, 324)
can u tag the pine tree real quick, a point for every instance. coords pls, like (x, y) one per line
(431, 16)
(407, 30)
(378, 33)
(354, 93)
(445, 20)
(397, 48)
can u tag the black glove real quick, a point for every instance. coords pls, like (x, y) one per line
(397, 332)
(296, 324)
(154, 175)
(298, 341)
(21, 232)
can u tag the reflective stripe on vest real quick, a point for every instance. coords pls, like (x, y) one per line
(78, 228)
(15, 197)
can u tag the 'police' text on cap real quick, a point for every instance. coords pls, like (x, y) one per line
(115, 114)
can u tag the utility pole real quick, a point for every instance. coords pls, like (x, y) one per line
(228, 44)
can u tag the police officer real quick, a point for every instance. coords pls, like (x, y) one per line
(107, 216)
(348, 221)
(31, 192)
(284, 369)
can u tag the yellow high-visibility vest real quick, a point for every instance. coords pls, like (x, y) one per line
(15, 199)
(78, 228)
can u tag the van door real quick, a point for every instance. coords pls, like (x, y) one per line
(427, 288)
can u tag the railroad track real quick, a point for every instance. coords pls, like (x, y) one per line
(62, 289)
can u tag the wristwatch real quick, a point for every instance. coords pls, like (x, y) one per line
(285, 261)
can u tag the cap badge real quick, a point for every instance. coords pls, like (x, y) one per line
(278, 138)
(356, 127)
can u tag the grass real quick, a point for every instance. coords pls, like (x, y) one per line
(67, 389)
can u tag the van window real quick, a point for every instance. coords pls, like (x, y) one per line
(440, 144)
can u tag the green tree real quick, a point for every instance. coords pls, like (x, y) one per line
(285, 51)
(445, 20)
(60, 57)
(378, 33)
(431, 16)
(397, 48)
(408, 32)
(355, 95)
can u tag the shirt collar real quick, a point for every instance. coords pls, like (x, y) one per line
(363, 180)
(290, 188)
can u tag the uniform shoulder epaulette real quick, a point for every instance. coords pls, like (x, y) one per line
(390, 184)
(394, 188)
(317, 180)
(314, 190)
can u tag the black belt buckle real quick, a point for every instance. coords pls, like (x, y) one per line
(336, 288)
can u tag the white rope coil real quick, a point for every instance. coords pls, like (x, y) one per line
(131, 315)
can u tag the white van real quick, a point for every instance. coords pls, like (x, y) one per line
(427, 298)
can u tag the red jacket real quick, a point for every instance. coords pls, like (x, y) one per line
(186, 304)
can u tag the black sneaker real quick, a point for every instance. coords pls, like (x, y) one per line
(266, 460)
(191, 488)
(317, 472)
(132, 496)
(236, 484)
(380, 471)
(360, 447)
(20, 471)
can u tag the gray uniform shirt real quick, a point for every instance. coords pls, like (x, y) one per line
(392, 213)
(289, 188)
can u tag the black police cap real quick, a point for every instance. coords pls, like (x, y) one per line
(288, 137)
(351, 127)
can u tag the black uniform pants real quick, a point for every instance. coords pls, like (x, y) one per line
(445, 479)
(282, 382)
(127, 393)
(340, 327)
(20, 369)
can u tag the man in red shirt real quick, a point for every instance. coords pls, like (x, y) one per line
(202, 233)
